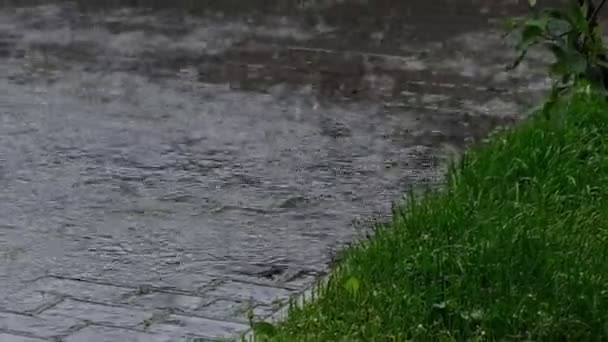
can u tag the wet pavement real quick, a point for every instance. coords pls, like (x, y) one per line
(167, 168)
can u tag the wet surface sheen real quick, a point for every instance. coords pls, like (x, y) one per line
(180, 147)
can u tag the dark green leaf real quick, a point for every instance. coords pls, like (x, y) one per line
(578, 63)
(573, 40)
(529, 36)
(557, 15)
(558, 26)
(559, 69)
(533, 30)
(560, 52)
(578, 16)
(531, 33)
(567, 60)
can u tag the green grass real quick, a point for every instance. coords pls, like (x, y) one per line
(514, 248)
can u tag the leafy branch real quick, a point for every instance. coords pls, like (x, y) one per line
(573, 37)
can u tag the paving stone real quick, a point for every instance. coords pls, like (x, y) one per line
(44, 327)
(226, 309)
(82, 289)
(301, 282)
(105, 334)
(168, 280)
(261, 312)
(168, 301)
(245, 291)
(28, 300)
(184, 326)
(17, 338)
(189, 282)
(98, 313)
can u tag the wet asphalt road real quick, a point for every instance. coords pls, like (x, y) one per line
(167, 164)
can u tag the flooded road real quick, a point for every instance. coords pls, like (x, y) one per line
(165, 168)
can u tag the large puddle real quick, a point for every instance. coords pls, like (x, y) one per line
(180, 147)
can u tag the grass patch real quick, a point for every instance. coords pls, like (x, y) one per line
(514, 248)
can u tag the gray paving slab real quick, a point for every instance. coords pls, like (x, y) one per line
(43, 327)
(163, 300)
(184, 326)
(4, 337)
(107, 334)
(84, 290)
(236, 311)
(104, 314)
(247, 291)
